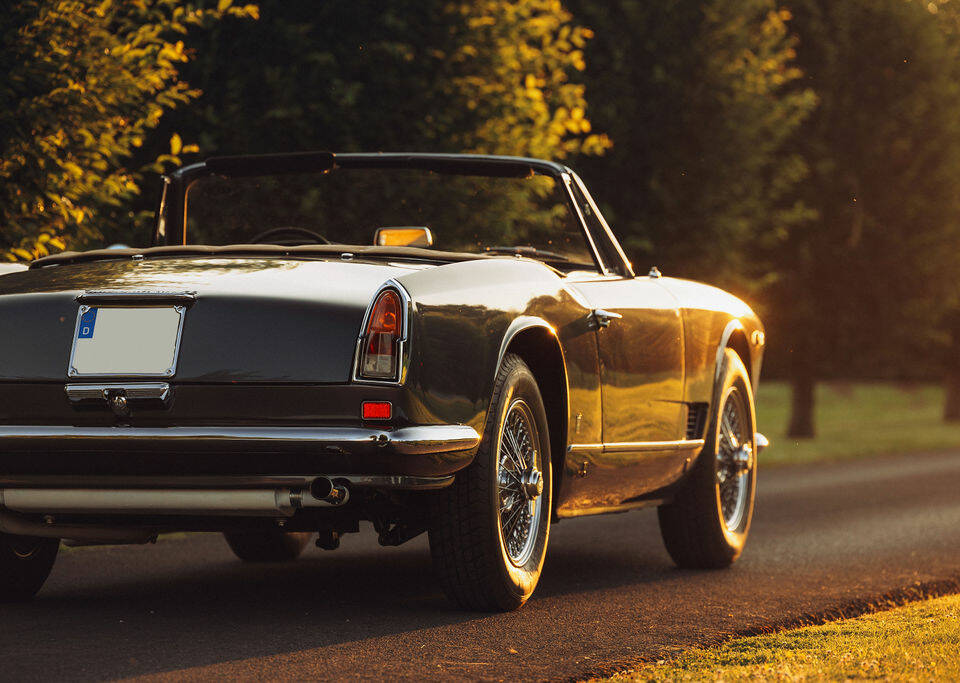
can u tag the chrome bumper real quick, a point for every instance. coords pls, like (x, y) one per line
(761, 441)
(421, 440)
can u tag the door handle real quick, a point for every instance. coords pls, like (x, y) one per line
(604, 318)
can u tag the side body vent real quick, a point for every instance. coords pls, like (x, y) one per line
(696, 420)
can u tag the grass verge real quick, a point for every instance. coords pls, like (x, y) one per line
(857, 419)
(919, 641)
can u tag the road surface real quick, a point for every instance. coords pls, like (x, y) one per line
(824, 537)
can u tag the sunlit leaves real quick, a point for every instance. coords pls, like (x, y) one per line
(513, 69)
(83, 84)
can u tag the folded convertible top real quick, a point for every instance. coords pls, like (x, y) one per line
(248, 250)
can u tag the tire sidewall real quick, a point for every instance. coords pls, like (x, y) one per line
(521, 581)
(734, 377)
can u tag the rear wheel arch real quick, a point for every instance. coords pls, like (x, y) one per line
(537, 344)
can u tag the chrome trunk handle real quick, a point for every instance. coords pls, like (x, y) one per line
(119, 396)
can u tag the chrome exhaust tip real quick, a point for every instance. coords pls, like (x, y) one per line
(324, 490)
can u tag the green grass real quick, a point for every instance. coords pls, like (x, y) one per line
(857, 419)
(916, 642)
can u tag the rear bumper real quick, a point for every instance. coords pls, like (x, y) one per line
(422, 440)
(429, 450)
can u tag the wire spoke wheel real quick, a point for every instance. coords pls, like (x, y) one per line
(734, 458)
(519, 482)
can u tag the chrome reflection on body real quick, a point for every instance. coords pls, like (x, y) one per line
(519, 482)
(734, 459)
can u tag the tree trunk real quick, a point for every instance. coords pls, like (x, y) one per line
(951, 376)
(801, 410)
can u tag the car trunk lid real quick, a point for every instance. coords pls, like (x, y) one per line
(251, 319)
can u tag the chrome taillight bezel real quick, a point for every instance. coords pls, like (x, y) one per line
(402, 341)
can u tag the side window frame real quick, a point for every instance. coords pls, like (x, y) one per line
(601, 237)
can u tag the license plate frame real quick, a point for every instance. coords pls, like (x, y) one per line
(88, 361)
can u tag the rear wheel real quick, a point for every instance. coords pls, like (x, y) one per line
(490, 527)
(268, 545)
(25, 563)
(707, 523)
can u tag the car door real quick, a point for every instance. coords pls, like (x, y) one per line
(640, 345)
(639, 333)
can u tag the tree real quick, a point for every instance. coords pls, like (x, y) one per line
(699, 98)
(432, 75)
(858, 287)
(84, 82)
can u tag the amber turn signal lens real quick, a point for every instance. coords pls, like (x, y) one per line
(377, 410)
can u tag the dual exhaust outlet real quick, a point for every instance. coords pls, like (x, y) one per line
(268, 502)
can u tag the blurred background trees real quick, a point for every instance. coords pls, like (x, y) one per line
(801, 153)
(83, 84)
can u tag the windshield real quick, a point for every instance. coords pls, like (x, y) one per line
(527, 216)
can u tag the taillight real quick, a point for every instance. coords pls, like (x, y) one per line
(380, 356)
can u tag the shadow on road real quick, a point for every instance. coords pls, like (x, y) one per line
(117, 612)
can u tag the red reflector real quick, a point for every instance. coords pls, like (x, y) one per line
(377, 410)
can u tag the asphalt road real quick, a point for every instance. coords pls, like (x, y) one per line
(824, 537)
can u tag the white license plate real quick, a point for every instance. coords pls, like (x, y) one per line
(128, 341)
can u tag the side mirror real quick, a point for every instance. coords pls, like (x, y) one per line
(403, 237)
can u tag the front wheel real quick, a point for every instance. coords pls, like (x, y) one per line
(490, 528)
(25, 564)
(707, 523)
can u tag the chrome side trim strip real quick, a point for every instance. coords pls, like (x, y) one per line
(636, 446)
(421, 440)
(585, 448)
(133, 391)
(651, 446)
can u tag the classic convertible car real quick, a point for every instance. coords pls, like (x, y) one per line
(449, 344)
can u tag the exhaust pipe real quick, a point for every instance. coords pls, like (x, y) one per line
(281, 502)
(325, 491)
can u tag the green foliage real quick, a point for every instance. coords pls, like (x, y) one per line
(509, 71)
(917, 641)
(856, 419)
(700, 98)
(84, 82)
(859, 289)
(410, 75)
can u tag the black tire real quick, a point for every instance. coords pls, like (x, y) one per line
(267, 545)
(25, 563)
(696, 531)
(467, 543)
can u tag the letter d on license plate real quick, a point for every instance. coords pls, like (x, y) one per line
(126, 341)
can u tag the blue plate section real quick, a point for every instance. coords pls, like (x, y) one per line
(87, 322)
